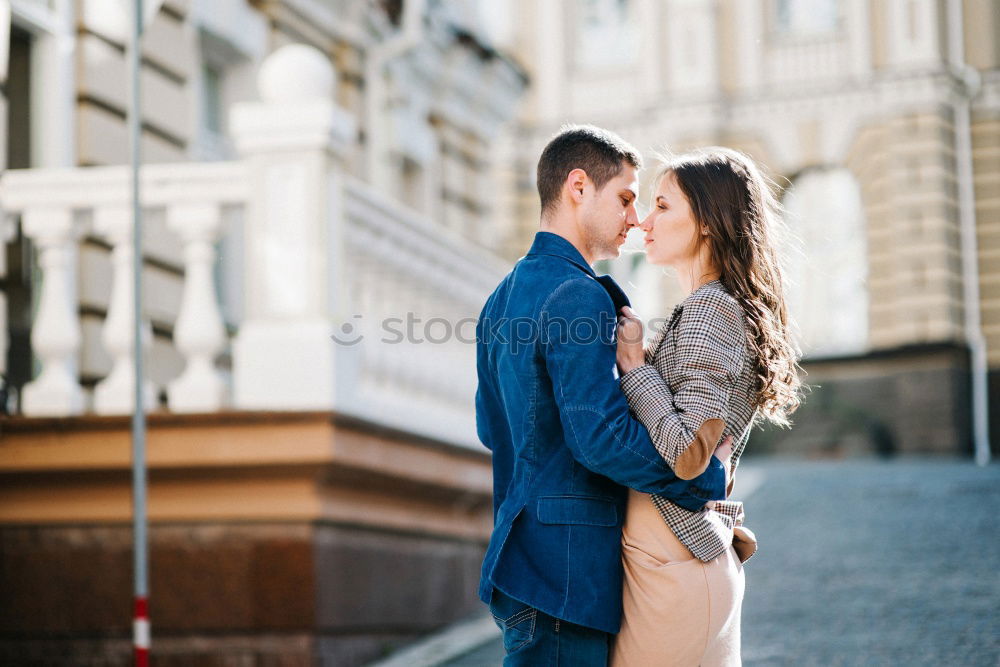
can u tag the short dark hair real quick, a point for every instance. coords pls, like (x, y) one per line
(599, 152)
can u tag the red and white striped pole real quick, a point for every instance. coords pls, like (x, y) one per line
(140, 624)
(140, 632)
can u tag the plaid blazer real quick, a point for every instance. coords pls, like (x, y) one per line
(697, 387)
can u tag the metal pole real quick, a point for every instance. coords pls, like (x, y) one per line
(969, 86)
(141, 626)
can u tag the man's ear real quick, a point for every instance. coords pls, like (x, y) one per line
(576, 182)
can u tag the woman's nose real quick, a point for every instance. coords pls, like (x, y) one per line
(647, 223)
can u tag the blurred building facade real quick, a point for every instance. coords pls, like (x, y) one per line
(865, 114)
(362, 169)
(318, 214)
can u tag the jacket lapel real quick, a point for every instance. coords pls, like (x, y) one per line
(617, 294)
(620, 299)
(657, 342)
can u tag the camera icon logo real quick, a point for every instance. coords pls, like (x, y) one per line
(348, 333)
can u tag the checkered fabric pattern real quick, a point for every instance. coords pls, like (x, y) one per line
(697, 368)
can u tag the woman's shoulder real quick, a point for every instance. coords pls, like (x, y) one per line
(711, 324)
(711, 301)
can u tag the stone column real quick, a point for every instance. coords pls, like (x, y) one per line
(293, 142)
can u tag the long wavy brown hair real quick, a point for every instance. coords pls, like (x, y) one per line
(730, 196)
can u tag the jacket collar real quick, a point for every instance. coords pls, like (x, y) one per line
(547, 243)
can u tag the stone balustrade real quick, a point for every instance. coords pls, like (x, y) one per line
(57, 209)
(351, 302)
(412, 332)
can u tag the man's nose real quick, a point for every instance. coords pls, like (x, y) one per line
(631, 218)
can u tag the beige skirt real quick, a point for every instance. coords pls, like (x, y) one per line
(678, 610)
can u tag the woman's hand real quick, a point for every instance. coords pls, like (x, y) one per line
(630, 353)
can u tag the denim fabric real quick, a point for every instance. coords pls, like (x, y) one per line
(532, 638)
(564, 444)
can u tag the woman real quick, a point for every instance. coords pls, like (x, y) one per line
(723, 359)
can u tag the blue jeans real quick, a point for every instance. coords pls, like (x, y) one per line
(533, 638)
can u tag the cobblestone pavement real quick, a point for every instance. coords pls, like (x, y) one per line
(866, 563)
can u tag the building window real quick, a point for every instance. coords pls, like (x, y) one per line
(211, 99)
(605, 34)
(806, 18)
(221, 82)
(828, 270)
(411, 184)
(19, 86)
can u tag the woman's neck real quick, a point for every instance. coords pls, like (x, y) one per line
(692, 277)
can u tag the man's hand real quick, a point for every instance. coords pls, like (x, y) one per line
(723, 452)
(725, 449)
(629, 334)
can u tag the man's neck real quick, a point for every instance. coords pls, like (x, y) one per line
(568, 232)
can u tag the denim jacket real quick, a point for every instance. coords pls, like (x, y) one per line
(564, 445)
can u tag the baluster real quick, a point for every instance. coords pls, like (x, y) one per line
(366, 292)
(115, 394)
(387, 355)
(55, 333)
(412, 368)
(199, 333)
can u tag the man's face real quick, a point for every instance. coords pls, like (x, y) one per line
(610, 213)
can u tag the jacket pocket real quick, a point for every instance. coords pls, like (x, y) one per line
(515, 619)
(577, 510)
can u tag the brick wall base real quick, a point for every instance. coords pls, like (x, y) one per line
(252, 594)
(899, 402)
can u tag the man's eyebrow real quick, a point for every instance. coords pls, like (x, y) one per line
(628, 192)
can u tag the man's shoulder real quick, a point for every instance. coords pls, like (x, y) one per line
(550, 282)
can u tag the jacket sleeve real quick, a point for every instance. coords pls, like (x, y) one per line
(734, 460)
(486, 395)
(686, 426)
(578, 344)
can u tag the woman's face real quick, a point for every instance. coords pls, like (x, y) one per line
(671, 231)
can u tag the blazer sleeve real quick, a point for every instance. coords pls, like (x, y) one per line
(578, 328)
(734, 460)
(687, 425)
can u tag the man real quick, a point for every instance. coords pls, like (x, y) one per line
(550, 409)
